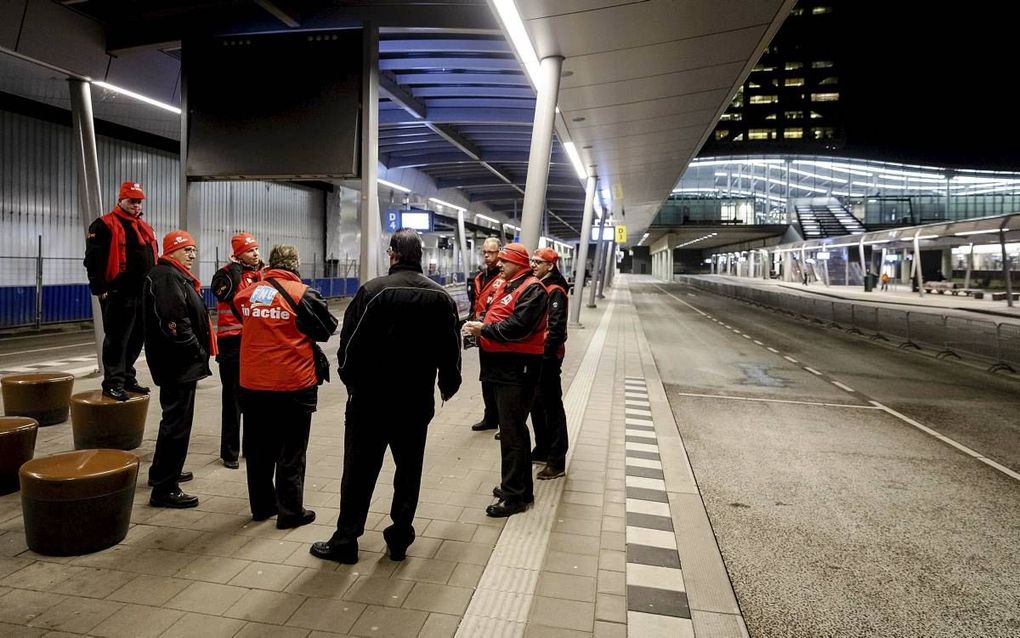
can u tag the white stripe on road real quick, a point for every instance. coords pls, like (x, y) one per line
(813, 371)
(790, 359)
(760, 400)
(843, 386)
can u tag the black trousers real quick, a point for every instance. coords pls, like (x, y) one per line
(491, 415)
(276, 441)
(514, 402)
(402, 427)
(548, 416)
(125, 336)
(229, 361)
(178, 404)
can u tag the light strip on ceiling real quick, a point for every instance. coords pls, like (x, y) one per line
(980, 232)
(397, 187)
(575, 159)
(138, 96)
(447, 204)
(514, 27)
(486, 218)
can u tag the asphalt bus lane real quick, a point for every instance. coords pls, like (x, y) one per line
(834, 517)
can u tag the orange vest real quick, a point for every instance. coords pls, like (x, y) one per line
(502, 308)
(227, 324)
(275, 355)
(485, 294)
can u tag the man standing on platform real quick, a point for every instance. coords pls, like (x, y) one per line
(548, 416)
(482, 289)
(241, 271)
(120, 248)
(178, 342)
(398, 333)
(512, 337)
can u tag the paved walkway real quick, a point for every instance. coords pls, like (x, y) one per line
(621, 546)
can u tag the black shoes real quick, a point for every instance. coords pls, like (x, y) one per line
(550, 472)
(117, 394)
(175, 500)
(258, 518)
(345, 553)
(482, 425)
(498, 493)
(134, 387)
(504, 508)
(290, 522)
(397, 547)
(184, 477)
(230, 465)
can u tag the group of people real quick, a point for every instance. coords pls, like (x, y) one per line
(400, 337)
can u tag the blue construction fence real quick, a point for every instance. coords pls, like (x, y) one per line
(73, 302)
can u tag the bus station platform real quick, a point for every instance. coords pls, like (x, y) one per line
(621, 546)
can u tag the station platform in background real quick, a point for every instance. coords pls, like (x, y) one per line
(621, 546)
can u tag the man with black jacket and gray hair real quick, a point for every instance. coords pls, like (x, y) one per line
(399, 331)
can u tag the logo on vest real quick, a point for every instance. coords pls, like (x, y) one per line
(261, 305)
(506, 300)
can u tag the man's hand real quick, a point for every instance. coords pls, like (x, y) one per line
(473, 328)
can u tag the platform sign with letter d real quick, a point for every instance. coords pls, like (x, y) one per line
(392, 220)
(621, 234)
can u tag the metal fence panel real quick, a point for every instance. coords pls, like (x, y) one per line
(17, 305)
(843, 315)
(972, 336)
(866, 319)
(1009, 344)
(893, 323)
(927, 329)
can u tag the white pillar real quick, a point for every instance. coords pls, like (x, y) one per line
(464, 257)
(918, 271)
(90, 200)
(541, 146)
(371, 224)
(582, 251)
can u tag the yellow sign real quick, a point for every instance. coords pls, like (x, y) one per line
(621, 234)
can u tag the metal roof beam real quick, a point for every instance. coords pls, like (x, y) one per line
(401, 96)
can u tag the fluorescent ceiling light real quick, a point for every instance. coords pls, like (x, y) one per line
(514, 27)
(980, 232)
(448, 204)
(486, 218)
(397, 187)
(575, 159)
(927, 237)
(139, 97)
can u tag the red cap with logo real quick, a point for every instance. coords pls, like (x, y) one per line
(515, 254)
(548, 254)
(175, 240)
(130, 190)
(242, 243)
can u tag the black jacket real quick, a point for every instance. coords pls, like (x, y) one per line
(176, 326)
(514, 368)
(138, 260)
(557, 334)
(398, 332)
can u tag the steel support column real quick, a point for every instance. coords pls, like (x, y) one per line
(1006, 271)
(463, 243)
(597, 262)
(90, 201)
(541, 147)
(371, 224)
(582, 251)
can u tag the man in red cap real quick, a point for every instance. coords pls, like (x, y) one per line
(243, 270)
(512, 338)
(178, 342)
(548, 416)
(120, 248)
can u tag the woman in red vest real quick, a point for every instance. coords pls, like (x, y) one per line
(282, 319)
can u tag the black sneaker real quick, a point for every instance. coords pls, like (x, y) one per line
(482, 425)
(550, 472)
(498, 493)
(346, 553)
(174, 500)
(117, 394)
(503, 509)
(135, 387)
(290, 522)
(230, 465)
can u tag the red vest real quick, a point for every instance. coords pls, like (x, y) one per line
(485, 294)
(227, 324)
(562, 350)
(116, 258)
(275, 355)
(502, 308)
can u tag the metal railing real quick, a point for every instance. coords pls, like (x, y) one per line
(993, 343)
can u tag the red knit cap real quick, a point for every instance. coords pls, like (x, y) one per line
(548, 254)
(515, 254)
(175, 240)
(242, 243)
(130, 190)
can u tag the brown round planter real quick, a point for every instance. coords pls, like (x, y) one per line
(77, 502)
(97, 421)
(17, 446)
(42, 396)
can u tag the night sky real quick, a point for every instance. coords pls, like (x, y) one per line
(926, 81)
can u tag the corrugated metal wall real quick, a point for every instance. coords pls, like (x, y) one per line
(38, 196)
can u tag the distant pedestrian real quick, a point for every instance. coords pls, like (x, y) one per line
(884, 279)
(120, 248)
(399, 338)
(178, 343)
